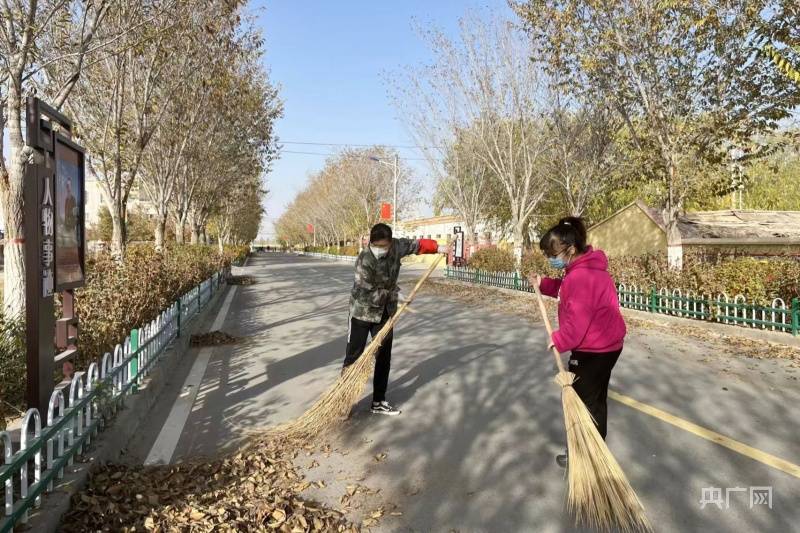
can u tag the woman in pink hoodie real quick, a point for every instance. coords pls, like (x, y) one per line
(590, 324)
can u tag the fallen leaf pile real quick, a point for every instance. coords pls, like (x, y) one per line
(212, 338)
(240, 280)
(505, 300)
(732, 344)
(523, 304)
(255, 489)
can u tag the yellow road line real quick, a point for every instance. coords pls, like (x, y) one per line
(717, 438)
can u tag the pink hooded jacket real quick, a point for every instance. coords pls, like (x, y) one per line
(589, 319)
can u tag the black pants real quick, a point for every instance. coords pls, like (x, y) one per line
(357, 341)
(593, 372)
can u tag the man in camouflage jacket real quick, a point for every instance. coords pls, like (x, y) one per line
(373, 300)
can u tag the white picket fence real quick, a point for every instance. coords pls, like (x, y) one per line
(332, 257)
(77, 409)
(722, 308)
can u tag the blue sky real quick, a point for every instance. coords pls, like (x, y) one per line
(330, 58)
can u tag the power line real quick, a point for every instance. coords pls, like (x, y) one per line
(304, 153)
(333, 155)
(414, 146)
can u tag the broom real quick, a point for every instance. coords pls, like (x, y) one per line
(335, 404)
(599, 493)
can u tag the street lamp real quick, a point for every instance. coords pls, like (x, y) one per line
(737, 182)
(394, 167)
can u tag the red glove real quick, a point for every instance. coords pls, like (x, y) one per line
(428, 246)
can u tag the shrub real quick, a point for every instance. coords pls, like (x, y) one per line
(759, 280)
(115, 299)
(236, 253)
(492, 260)
(502, 260)
(119, 297)
(12, 369)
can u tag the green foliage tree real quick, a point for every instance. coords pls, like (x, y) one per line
(680, 74)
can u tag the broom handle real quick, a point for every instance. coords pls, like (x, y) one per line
(546, 319)
(402, 307)
(422, 280)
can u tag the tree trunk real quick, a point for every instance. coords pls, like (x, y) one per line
(203, 235)
(518, 240)
(469, 239)
(180, 228)
(160, 231)
(118, 234)
(12, 204)
(672, 212)
(195, 239)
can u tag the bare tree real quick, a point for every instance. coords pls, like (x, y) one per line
(464, 187)
(123, 99)
(33, 36)
(343, 200)
(483, 91)
(163, 162)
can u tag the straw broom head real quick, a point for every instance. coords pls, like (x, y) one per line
(335, 404)
(599, 493)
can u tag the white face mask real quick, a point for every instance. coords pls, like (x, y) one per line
(378, 252)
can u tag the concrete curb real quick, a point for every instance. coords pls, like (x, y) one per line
(720, 330)
(111, 444)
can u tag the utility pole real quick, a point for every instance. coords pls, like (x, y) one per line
(394, 207)
(395, 176)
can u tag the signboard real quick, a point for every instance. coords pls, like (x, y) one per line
(47, 240)
(459, 251)
(456, 230)
(54, 251)
(69, 250)
(386, 211)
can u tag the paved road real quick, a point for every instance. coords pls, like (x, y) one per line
(473, 449)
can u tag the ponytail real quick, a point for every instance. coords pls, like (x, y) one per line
(569, 232)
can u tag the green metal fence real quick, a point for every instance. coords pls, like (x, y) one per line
(78, 409)
(779, 316)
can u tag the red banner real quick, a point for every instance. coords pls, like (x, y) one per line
(309, 228)
(386, 211)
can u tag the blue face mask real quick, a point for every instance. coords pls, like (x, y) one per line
(557, 262)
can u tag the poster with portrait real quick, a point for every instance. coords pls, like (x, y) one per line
(69, 215)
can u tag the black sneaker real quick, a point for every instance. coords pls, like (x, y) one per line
(383, 408)
(563, 459)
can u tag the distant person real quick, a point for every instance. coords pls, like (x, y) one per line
(374, 299)
(590, 323)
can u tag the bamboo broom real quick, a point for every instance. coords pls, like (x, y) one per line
(336, 402)
(599, 493)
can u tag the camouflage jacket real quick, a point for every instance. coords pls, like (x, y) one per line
(375, 286)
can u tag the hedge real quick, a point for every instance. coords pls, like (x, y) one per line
(115, 299)
(759, 280)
